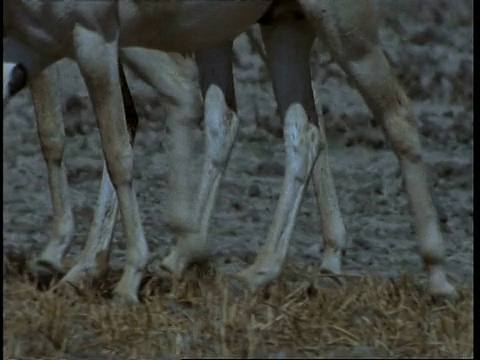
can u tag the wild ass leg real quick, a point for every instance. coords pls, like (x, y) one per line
(350, 30)
(221, 129)
(97, 56)
(52, 138)
(93, 261)
(333, 228)
(288, 44)
(173, 85)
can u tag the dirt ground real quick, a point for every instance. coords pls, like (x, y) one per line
(430, 46)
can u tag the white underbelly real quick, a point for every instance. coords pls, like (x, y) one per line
(187, 25)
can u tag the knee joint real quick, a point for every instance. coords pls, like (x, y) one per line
(120, 165)
(402, 132)
(53, 147)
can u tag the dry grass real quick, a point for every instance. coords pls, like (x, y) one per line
(205, 316)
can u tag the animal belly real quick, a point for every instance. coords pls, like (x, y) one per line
(189, 25)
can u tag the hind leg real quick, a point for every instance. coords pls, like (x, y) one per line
(288, 43)
(221, 128)
(333, 228)
(175, 85)
(52, 138)
(349, 28)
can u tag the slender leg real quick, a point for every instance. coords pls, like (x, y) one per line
(93, 261)
(215, 68)
(52, 138)
(173, 86)
(176, 86)
(97, 57)
(221, 129)
(333, 228)
(334, 234)
(350, 30)
(288, 44)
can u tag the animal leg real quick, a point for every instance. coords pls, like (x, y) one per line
(97, 56)
(221, 129)
(333, 228)
(93, 261)
(351, 32)
(52, 138)
(175, 85)
(288, 43)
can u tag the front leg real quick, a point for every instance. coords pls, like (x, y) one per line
(175, 84)
(52, 139)
(221, 129)
(288, 43)
(93, 262)
(302, 146)
(97, 56)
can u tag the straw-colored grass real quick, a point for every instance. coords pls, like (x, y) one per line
(207, 316)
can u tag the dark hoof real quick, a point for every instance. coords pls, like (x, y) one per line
(44, 274)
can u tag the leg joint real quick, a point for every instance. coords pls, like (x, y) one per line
(120, 165)
(52, 147)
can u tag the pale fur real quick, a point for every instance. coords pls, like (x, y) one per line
(349, 28)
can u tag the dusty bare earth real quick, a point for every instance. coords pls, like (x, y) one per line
(430, 46)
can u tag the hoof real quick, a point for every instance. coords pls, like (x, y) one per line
(124, 298)
(168, 269)
(174, 264)
(66, 289)
(255, 278)
(181, 258)
(329, 279)
(446, 291)
(44, 272)
(331, 263)
(82, 275)
(438, 286)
